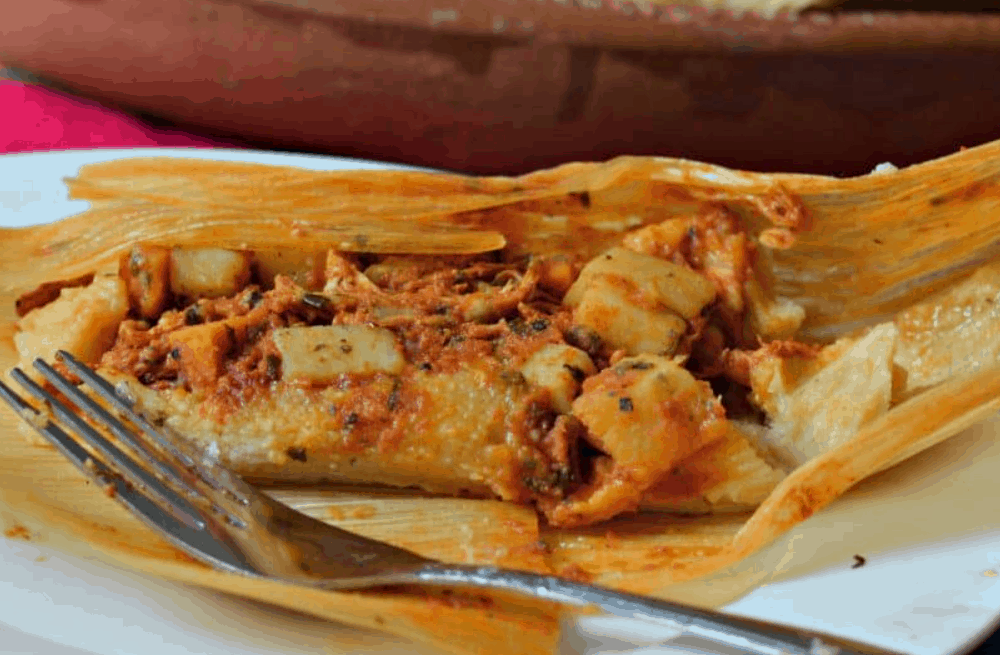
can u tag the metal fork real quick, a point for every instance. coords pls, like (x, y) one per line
(216, 517)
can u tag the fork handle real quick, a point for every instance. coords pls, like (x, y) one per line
(718, 632)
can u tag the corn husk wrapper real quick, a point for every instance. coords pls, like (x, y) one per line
(863, 250)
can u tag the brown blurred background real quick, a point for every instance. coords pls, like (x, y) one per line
(496, 87)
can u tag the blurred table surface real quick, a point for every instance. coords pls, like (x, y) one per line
(38, 118)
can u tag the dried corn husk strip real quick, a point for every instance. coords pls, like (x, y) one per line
(101, 237)
(909, 428)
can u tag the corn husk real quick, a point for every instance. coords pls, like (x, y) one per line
(863, 249)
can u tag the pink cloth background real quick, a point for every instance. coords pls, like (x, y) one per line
(33, 117)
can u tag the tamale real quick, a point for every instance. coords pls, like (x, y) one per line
(581, 211)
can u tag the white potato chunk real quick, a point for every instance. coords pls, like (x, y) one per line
(647, 281)
(320, 353)
(82, 321)
(645, 414)
(208, 272)
(623, 325)
(560, 369)
(305, 268)
(813, 414)
(647, 405)
(146, 272)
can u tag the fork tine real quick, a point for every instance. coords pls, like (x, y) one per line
(216, 477)
(122, 463)
(106, 391)
(185, 473)
(55, 435)
(103, 417)
(180, 477)
(194, 536)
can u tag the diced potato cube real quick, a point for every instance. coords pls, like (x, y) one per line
(303, 267)
(646, 281)
(202, 350)
(320, 353)
(146, 271)
(82, 321)
(645, 414)
(560, 369)
(649, 410)
(623, 325)
(208, 272)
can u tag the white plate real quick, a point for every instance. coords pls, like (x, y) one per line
(926, 597)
